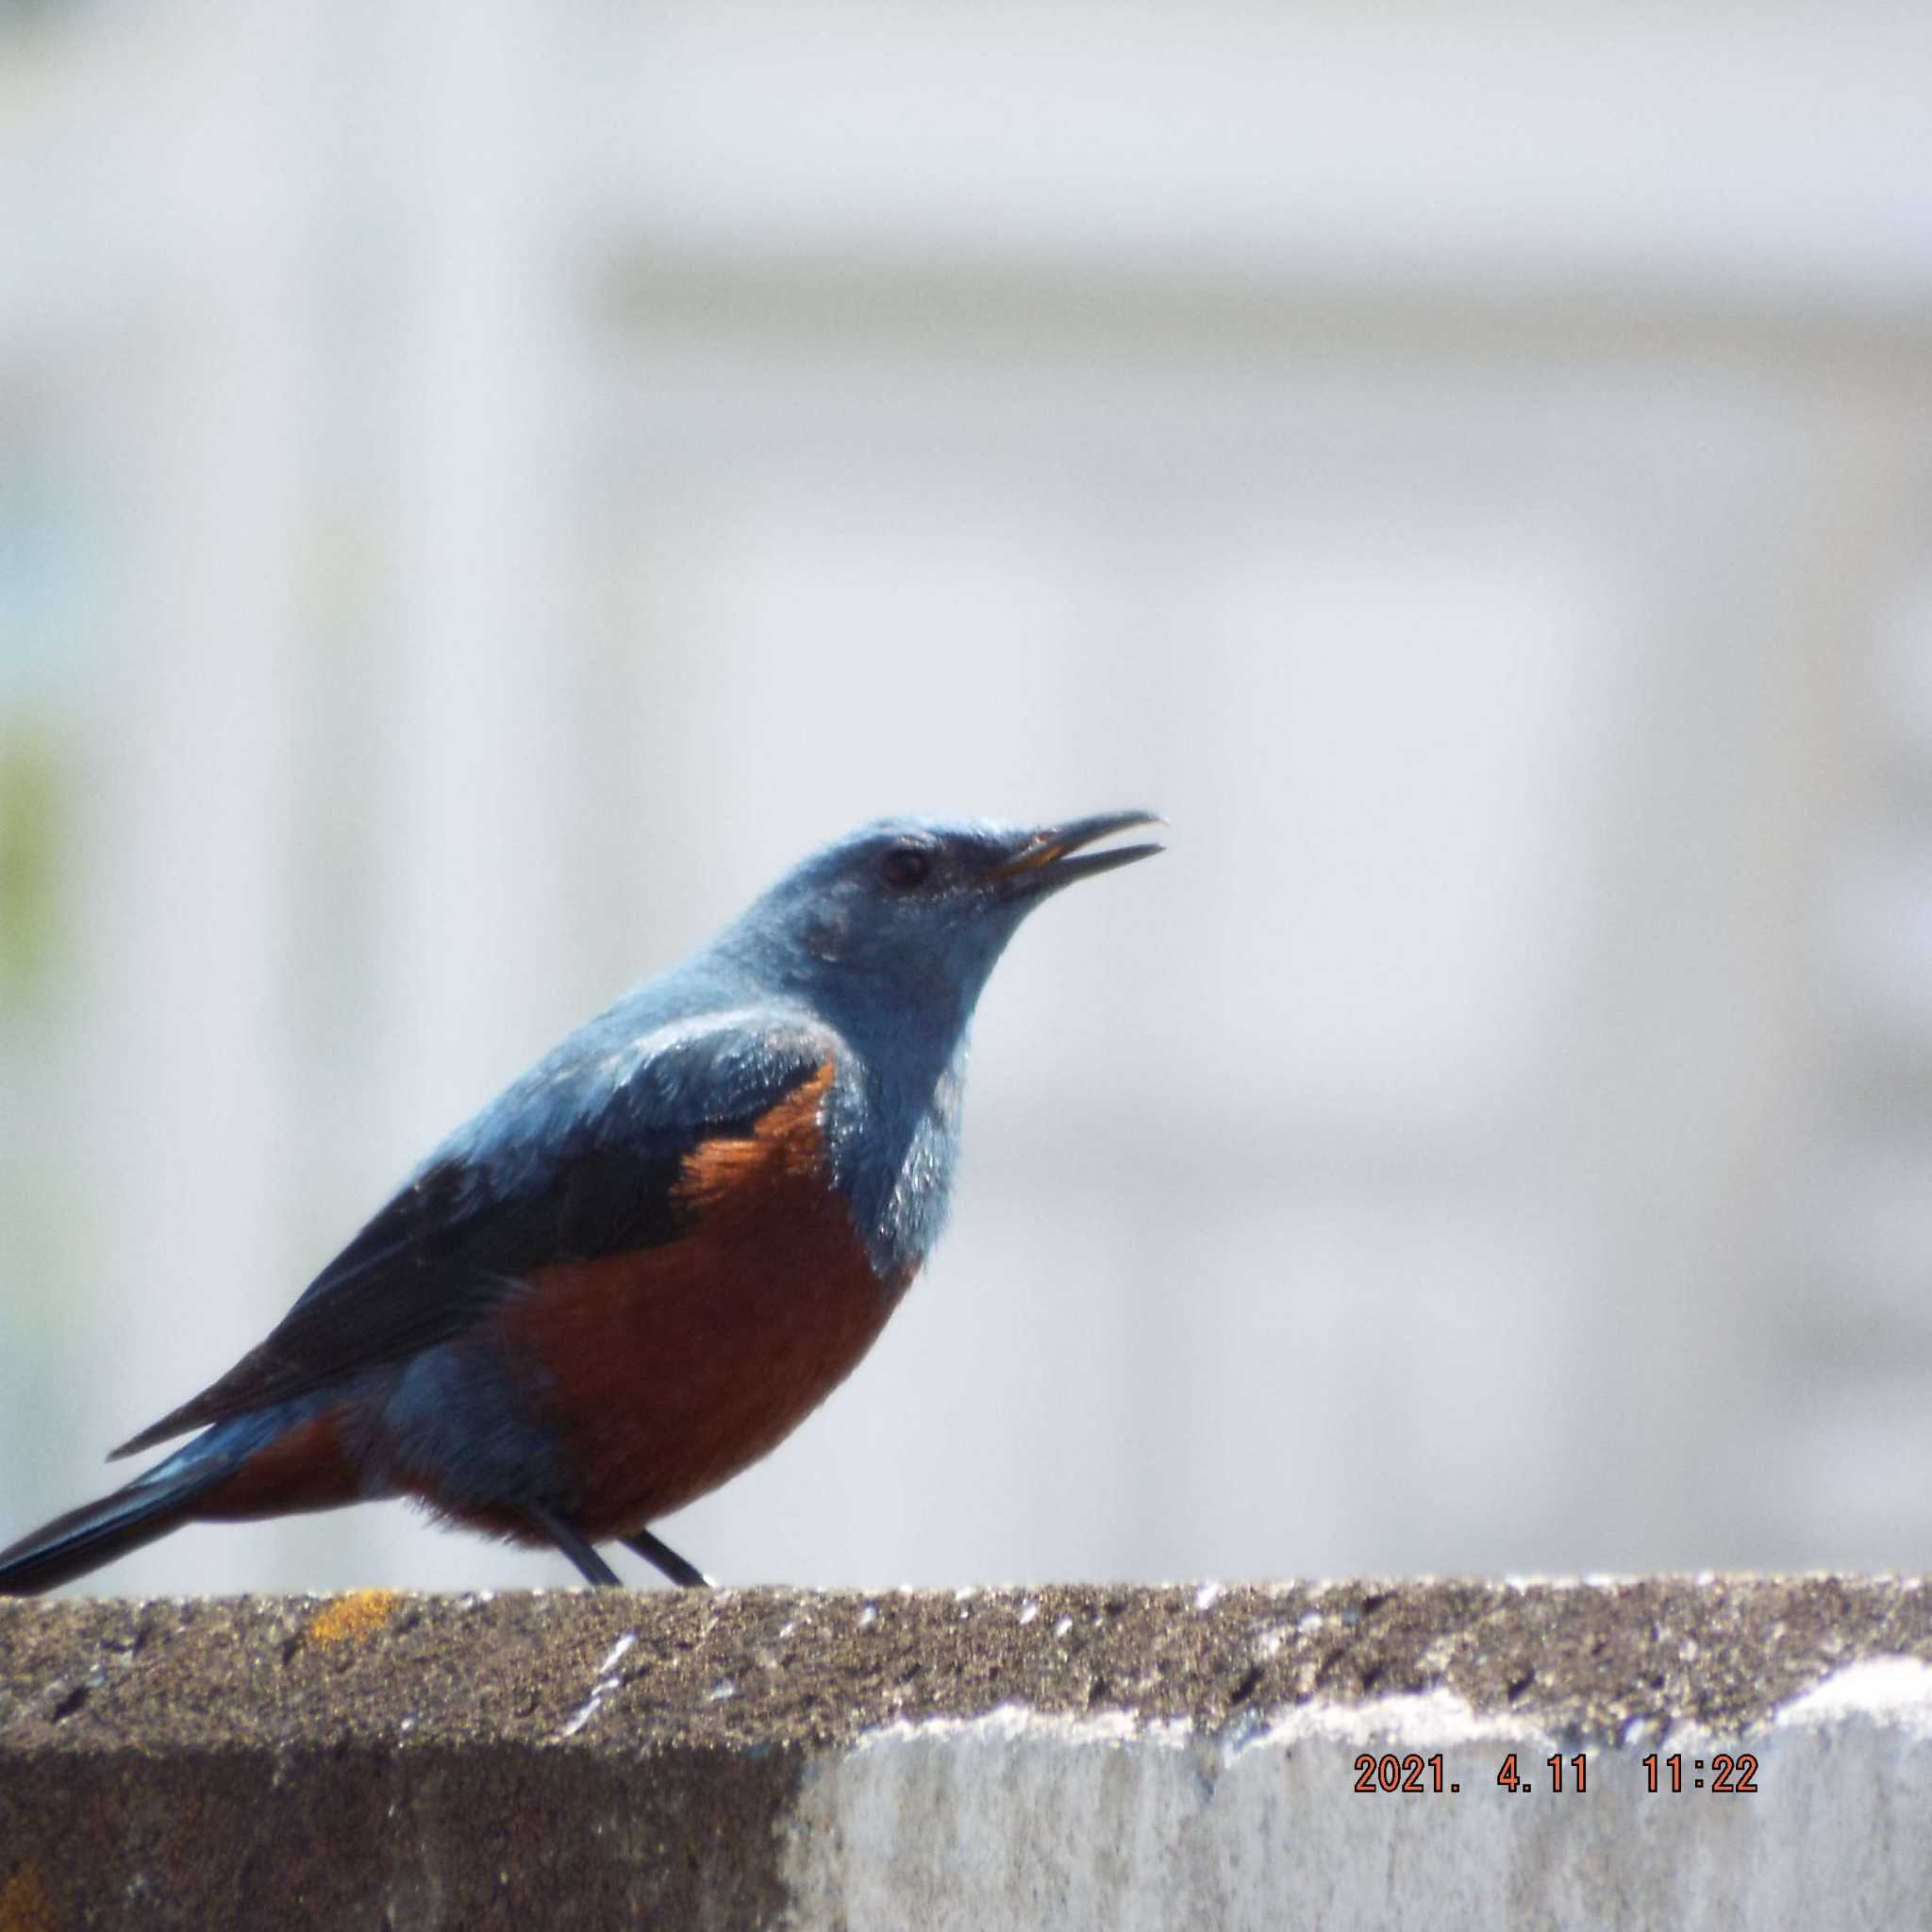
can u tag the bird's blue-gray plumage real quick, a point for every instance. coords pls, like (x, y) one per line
(867, 959)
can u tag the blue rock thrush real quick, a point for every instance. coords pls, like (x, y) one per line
(644, 1263)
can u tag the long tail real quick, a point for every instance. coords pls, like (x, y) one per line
(96, 1533)
(253, 1465)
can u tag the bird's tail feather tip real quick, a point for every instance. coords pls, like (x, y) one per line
(84, 1539)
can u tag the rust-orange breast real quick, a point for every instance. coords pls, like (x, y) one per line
(670, 1368)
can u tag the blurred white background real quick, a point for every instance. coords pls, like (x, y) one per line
(483, 488)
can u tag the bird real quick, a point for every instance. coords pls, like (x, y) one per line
(639, 1267)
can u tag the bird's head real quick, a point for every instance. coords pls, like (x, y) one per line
(894, 928)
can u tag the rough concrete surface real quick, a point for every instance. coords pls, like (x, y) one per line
(1058, 1757)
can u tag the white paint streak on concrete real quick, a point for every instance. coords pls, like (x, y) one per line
(1023, 1820)
(607, 1682)
(616, 1653)
(1890, 1689)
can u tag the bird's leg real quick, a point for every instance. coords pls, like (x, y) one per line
(663, 1557)
(546, 1524)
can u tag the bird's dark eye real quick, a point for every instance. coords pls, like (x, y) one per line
(906, 866)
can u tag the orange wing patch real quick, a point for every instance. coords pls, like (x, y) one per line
(786, 1147)
(671, 1368)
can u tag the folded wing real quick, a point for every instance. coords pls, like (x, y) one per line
(581, 1157)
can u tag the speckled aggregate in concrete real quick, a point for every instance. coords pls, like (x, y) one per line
(615, 1759)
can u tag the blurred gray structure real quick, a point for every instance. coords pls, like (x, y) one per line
(481, 489)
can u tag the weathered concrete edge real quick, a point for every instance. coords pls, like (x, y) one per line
(1409, 1811)
(764, 1755)
(731, 1668)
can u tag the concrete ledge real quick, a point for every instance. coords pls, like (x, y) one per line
(1065, 1758)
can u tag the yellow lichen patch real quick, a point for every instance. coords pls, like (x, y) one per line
(348, 1618)
(25, 1906)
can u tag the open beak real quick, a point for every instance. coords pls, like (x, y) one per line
(1044, 862)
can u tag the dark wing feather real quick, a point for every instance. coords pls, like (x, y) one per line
(580, 1157)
